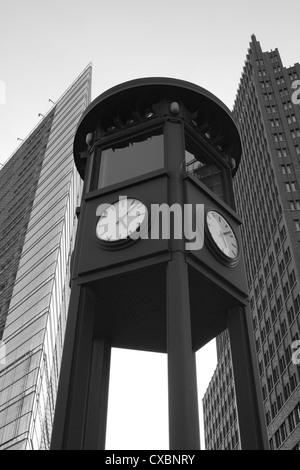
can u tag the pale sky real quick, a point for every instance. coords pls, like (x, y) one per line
(44, 45)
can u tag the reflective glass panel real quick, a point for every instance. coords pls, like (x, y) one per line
(131, 158)
(203, 167)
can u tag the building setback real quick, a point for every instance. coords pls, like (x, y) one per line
(267, 192)
(39, 191)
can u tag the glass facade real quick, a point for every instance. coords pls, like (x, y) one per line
(36, 303)
(133, 157)
(16, 199)
(200, 164)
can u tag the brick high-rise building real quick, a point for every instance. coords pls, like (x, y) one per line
(39, 191)
(267, 192)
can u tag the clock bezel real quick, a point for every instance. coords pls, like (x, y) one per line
(213, 247)
(124, 242)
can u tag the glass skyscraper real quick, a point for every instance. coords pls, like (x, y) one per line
(39, 192)
(267, 191)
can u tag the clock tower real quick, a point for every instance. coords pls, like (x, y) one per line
(158, 262)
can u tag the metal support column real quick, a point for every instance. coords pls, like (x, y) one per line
(183, 398)
(80, 416)
(253, 431)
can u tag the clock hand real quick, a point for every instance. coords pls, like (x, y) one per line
(121, 218)
(127, 215)
(138, 213)
(130, 209)
(224, 239)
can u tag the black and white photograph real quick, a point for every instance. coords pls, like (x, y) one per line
(149, 227)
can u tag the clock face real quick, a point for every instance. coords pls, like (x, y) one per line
(121, 220)
(222, 236)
